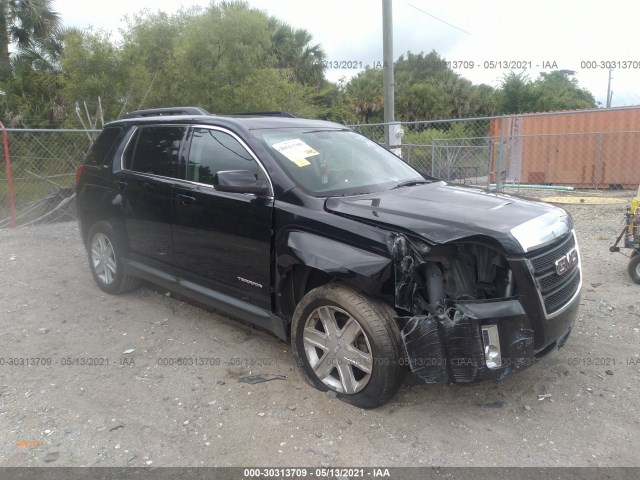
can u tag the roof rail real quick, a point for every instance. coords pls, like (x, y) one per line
(154, 112)
(264, 114)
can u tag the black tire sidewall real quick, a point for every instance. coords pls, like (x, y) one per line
(388, 368)
(632, 268)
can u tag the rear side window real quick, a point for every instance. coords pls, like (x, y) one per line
(213, 151)
(155, 150)
(99, 153)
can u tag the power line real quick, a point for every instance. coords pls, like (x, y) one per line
(439, 19)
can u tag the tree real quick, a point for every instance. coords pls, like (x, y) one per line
(515, 94)
(24, 22)
(293, 50)
(226, 58)
(551, 91)
(365, 94)
(421, 101)
(33, 88)
(93, 68)
(421, 67)
(333, 103)
(426, 88)
(559, 90)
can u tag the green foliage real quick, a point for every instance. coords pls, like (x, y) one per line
(227, 58)
(553, 91)
(444, 131)
(292, 49)
(428, 89)
(420, 140)
(30, 81)
(333, 104)
(230, 58)
(92, 65)
(559, 90)
(515, 94)
(365, 95)
(25, 23)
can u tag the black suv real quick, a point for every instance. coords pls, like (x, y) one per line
(319, 235)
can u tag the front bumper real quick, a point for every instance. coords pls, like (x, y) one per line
(450, 348)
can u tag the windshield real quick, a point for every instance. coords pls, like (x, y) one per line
(335, 162)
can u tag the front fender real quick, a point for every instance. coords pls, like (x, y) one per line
(364, 270)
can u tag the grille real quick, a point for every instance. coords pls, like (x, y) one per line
(546, 260)
(556, 290)
(554, 301)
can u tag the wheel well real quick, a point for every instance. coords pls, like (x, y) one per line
(301, 279)
(297, 283)
(87, 221)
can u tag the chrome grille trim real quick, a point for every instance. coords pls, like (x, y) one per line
(556, 292)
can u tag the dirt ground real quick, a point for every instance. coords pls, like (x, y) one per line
(102, 385)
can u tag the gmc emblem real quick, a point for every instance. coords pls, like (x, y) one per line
(563, 264)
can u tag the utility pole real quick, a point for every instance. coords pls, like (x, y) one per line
(609, 92)
(388, 82)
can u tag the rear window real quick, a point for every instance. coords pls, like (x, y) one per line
(102, 148)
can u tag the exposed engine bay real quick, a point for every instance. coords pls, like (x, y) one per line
(427, 277)
(454, 295)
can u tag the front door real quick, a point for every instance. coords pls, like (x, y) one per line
(222, 240)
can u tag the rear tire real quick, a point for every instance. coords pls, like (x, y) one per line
(634, 268)
(349, 343)
(106, 262)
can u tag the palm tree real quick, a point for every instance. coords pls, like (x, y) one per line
(293, 50)
(45, 56)
(36, 79)
(25, 22)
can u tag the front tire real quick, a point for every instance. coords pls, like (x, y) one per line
(105, 261)
(349, 343)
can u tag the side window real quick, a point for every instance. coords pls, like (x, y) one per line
(155, 150)
(212, 151)
(103, 146)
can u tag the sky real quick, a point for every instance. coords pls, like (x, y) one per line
(484, 40)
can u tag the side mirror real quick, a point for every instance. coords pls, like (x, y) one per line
(239, 181)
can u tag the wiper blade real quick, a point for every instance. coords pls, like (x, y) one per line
(415, 181)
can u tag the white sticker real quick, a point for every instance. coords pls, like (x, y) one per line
(296, 150)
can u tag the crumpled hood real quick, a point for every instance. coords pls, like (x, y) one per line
(441, 213)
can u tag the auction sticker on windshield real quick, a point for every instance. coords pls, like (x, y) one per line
(296, 150)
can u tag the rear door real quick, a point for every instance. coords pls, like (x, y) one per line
(222, 240)
(95, 176)
(150, 168)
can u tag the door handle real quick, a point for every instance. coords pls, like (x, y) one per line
(186, 199)
(121, 185)
(148, 186)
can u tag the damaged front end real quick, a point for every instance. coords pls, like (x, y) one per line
(465, 323)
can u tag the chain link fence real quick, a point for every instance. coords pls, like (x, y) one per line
(43, 165)
(593, 149)
(458, 151)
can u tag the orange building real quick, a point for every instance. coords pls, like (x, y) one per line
(587, 148)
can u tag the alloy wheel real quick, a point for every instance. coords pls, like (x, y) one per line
(103, 257)
(338, 349)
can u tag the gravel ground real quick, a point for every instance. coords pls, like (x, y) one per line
(578, 407)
